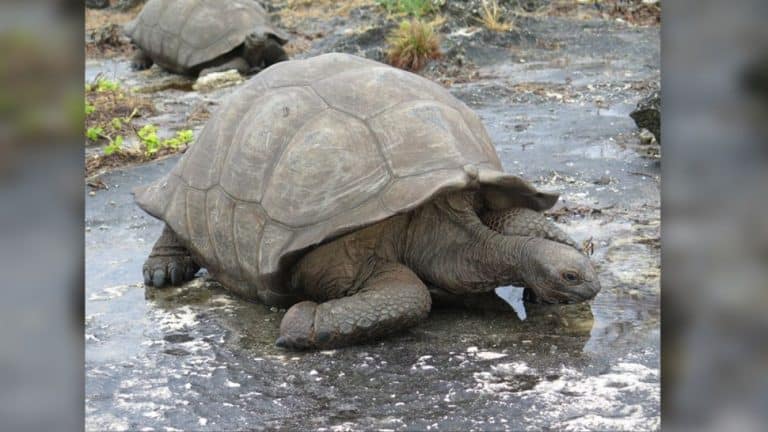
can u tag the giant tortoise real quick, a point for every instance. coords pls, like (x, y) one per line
(347, 190)
(203, 36)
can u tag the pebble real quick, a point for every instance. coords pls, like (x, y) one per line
(646, 137)
(602, 181)
(217, 80)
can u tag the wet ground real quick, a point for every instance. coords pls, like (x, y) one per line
(197, 358)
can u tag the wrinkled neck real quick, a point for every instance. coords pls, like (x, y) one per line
(504, 258)
(448, 246)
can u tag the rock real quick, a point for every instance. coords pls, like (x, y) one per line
(177, 82)
(602, 181)
(217, 80)
(124, 5)
(96, 4)
(109, 36)
(647, 114)
(646, 137)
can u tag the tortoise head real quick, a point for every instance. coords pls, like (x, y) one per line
(554, 272)
(256, 39)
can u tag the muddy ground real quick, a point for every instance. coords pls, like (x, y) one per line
(555, 95)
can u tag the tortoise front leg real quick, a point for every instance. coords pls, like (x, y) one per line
(393, 298)
(525, 222)
(141, 60)
(169, 261)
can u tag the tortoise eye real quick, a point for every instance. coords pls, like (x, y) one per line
(570, 276)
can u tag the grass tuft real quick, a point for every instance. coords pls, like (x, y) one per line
(416, 8)
(412, 45)
(491, 17)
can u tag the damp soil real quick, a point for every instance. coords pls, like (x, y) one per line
(555, 96)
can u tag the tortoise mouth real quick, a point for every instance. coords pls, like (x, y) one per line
(553, 297)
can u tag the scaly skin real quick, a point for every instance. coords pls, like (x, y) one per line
(393, 298)
(169, 262)
(373, 281)
(443, 244)
(525, 222)
(141, 60)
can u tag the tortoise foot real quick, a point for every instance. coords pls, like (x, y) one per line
(297, 330)
(169, 270)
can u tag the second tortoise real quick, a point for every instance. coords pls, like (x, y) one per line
(193, 37)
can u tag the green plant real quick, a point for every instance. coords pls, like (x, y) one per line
(115, 145)
(416, 8)
(94, 133)
(101, 84)
(412, 45)
(89, 109)
(148, 137)
(182, 137)
(152, 144)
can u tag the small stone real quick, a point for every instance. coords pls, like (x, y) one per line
(217, 80)
(92, 193)
(646, 137)
(602, 181)
(97, 4)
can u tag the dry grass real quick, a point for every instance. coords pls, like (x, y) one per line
(98, 18)
(634, 12)
(412, 45)
(415, 8)
(491, 16)
(104, 30)
(96, 164)
(297, 11)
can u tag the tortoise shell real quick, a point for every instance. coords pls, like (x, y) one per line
(183, 34)
(311, 149)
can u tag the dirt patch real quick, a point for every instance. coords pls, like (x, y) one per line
(632, 11)
(104, 36)
(97, 164)
(114, 109)
(294, 13)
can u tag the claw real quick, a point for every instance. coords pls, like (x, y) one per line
(176, 273)
(147, 277)
(190, 272)
(158, 278)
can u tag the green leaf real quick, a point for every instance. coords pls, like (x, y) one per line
(185, 136)
(94, 133)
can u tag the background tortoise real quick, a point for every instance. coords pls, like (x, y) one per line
(350, 187)
(203, 36)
